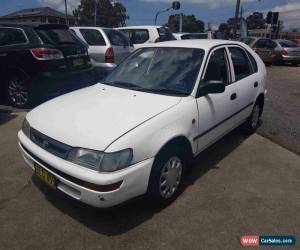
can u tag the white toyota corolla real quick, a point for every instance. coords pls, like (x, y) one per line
(135, 132)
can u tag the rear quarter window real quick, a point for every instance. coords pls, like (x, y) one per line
(93, 37)
(12, 36)
(116, 38)
(165, 34)
(253, 62)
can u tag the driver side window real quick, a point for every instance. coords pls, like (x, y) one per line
(217, 69)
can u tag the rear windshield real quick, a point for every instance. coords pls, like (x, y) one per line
(165, 34)
(57, 36)
(248, 41)
(116, 38)
(288, 44)
(93, 37)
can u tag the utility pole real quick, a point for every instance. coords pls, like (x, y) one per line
(95, 13)
(237, 10)
(180, 22)
(66, 12)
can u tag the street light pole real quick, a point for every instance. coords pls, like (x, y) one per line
(95, 14)
(237, 10)
(66, 12)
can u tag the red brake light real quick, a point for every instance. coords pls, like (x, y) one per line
(157, 40)
(109, 56)
(283, 52)
(46, 54)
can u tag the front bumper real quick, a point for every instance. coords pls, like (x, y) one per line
(134, 178)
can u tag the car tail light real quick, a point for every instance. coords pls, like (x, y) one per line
(109, 56)
(46, 54)
(157, 40)
(283, 52)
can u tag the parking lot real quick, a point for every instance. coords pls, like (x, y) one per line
(239, 186)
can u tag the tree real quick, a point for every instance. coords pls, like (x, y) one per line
(108, 15)
(256, 21)
(189, 24)
(224, 29)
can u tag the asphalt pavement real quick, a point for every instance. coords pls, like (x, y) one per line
(239, 186)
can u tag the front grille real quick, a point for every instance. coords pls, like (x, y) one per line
(52, 146)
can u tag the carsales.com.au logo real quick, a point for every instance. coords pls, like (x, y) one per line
(255, 240)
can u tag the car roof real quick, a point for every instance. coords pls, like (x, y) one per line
(141, 27)
(90, 27)
(205, 44)
(32, 25)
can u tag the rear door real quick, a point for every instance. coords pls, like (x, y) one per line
(97, 44)
(246, 78)
(60, 37)
(119, 43)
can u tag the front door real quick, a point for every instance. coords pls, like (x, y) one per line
(216, 111)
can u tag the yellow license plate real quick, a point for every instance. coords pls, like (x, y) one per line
(78, 62)
(45, 176)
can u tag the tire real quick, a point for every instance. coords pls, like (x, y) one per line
(295, 64)
(252, 123)
(268, 64)
(18, 89)
(166, 178)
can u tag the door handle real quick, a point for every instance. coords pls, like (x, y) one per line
(255, 84)
(233, 96)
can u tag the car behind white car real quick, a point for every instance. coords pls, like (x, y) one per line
(135, 132)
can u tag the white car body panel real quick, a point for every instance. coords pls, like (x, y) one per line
(111, 119)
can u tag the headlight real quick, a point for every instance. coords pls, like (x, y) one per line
(26, 128)
(103, 162)
(117, 160)
(86, 157)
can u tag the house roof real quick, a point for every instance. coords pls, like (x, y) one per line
(31, 12)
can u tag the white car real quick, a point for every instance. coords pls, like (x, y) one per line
(106, 47)
(142, 35)
(186, 36)
(135, 132)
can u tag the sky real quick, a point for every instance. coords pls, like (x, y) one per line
(142, 12)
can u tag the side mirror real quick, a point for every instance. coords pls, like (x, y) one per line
(211, 87)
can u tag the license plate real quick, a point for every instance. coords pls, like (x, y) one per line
(45, 176)
(78, 62)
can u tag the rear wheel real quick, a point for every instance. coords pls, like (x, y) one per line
(166, 177)
(18, 90)
(252, 123)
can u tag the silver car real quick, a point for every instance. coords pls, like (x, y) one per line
(287, 51)
(106, 47)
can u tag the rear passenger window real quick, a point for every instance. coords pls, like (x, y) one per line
(165, 34)
(11, 36)
(240, 62)
(116, 38)
(217, 67)
(253, 62)
(93, 37)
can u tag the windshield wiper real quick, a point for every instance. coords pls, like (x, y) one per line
(168, 91)
(124, 85)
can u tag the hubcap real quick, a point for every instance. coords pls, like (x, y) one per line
(17, 91)
(170, 177)
(255, 116)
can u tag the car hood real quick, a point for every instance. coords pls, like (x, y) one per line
(96, 116)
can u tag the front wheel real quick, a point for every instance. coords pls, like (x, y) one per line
(166, 177)
(252, 123)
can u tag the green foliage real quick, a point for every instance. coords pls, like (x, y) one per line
(190, 24)
(108, 15)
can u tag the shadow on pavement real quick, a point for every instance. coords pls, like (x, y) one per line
(6, 116)
(123, 218)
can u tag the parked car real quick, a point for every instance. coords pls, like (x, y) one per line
(136, 131)
(185, 36)
(287, 51)
(141, 35)
(264, 47)
(39, 61)
(297, 41)
(106, 47)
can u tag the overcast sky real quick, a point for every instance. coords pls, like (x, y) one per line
(143, 11)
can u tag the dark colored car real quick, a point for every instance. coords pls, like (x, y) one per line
(40, 61)
(264, 47)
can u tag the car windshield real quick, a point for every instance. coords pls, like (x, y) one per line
(170, 71)
(288, 44)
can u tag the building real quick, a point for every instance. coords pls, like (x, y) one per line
(279, 35)
(41, 15)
